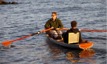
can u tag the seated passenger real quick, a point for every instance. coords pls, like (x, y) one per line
(73, 35)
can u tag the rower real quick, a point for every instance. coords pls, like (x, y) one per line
(56, 24)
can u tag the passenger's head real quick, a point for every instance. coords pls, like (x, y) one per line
(73, 23)
(54, 15)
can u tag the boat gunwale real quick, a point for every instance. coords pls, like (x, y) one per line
(63, 44)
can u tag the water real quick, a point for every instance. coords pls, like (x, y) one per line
(29, 16)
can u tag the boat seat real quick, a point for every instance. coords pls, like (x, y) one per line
(73, 38)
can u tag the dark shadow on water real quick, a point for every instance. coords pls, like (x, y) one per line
(5, 3)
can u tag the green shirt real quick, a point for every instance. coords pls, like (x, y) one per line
(56, 24)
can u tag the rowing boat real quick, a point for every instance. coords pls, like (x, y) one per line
(61, 43)
(76, 46)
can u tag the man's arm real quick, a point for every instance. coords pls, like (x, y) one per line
(47, 25)
(60, 24)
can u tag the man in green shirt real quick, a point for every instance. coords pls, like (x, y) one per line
(56, 24)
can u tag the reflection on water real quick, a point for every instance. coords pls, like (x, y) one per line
(83, 56)
(54, 50)
(86, 53)
(72, 55)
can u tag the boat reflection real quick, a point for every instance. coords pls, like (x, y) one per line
(85, 56)
(86, 53)
(73, 55)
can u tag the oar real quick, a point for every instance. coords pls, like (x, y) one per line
(86, 30)
(9, 42)
(95, 30)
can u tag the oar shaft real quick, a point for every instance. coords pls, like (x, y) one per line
(87, 30)
(45, 30)
(21, 38)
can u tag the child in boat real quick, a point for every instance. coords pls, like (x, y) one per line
(73, 29)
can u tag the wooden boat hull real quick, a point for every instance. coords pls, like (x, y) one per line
(76, 46)
(84, 45)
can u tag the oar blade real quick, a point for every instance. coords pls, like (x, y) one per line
(86, 45)
(6, 43)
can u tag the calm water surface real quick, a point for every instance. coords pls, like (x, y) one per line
(29, 16)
